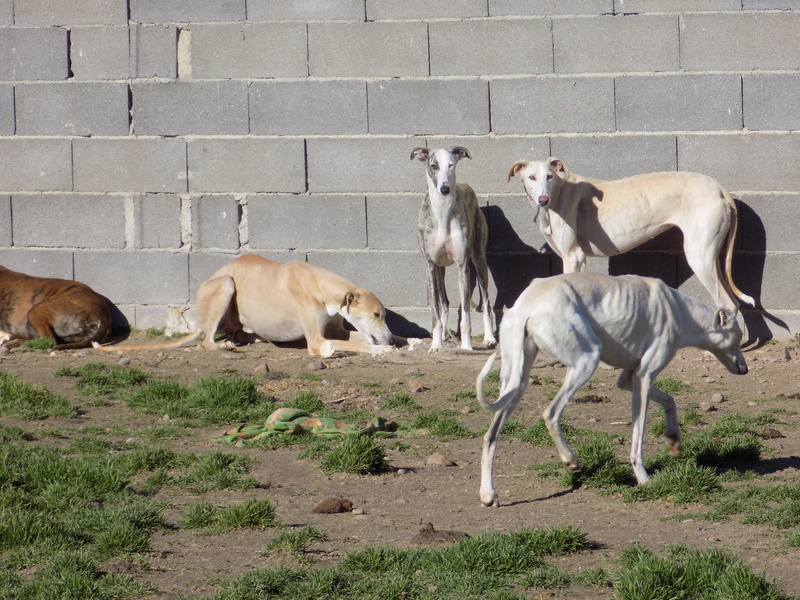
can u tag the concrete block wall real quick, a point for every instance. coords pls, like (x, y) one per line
(145, 143)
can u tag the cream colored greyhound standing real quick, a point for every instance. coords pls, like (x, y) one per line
(630, 322)
(283, 302)
(452, 229)
(582, 217)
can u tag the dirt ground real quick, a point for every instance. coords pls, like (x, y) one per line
(391, 508)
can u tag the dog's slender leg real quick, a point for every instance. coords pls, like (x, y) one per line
(488, 494)
(466, 302)
(214, 298)
(703, 258)
(440, 306)
(482, 277)
(578, 373)
(639, 382)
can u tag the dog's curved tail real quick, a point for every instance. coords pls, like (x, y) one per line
(187, 339)
(729, 252)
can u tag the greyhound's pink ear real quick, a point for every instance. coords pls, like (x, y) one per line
(348, 299)
(460, 152)
(558, 165)
(420, 153)
(516, 168)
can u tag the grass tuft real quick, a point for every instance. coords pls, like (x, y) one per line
(360, 455)
(250, 514)
(100, 379)
(30, 402)
(40, 343)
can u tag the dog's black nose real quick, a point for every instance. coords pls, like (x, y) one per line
(445, 189)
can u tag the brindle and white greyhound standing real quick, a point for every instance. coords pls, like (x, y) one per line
(452, 229)
(630, 322)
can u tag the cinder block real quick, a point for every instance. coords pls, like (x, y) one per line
(396, 278)
(360, 165)
(68, 220)
(215, 222)
(769, 5)
(38, 263)
(409, 322)
(197, 107)
(679, 102)
(616, 156)
(144, 317)
(739, 41)
(203, 265)
(247, 165)
(662, 6)
(307, 221)
(552, 105)
(155, 277)
(378, 10)
(308, 107)
(758, 161)
(70, 12)
(302, 10)
(99, 52)
(186, 11)
(385, 49)
(769, 222)
(771, 101)
(513, 8)
(129, 165)
(609, 44)
(33, 53)
(158, 221)
(6, 12)
(392, 221)
(489, 46)
(71, 108)
(153, 51)
(453, 106)
(232, 51)
(7, 110)
(35, 164)
(5, 221)
(764, 277)
(487, 172)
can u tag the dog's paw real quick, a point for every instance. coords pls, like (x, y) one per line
(413, 343)
(327, 349)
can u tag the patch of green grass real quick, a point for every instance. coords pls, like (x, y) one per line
(361, 455)
(219, 470)
(464, 395)
(158, 433)
(442, 424)
(211, 400)
(775, 505)
(12, 433)
(297, 541)
(100, 379)
(39, 343)
(601, 468)
(307, 401)
(682, 482)
(493, 376)
(30, 402)
(793, 539)
(548, 577)
(154, 332)
(672, 386)
(309, 377)
(684, 572)
(250, 514)
(402, 401)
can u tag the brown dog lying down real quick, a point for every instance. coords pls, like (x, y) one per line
(71, 313)
(252, 298)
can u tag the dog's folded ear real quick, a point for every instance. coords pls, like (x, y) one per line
(460, 152)
(348, 299)
(516, 168)
(558, 165)
(723, 317)
(420, 153)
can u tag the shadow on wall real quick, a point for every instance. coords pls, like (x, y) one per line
(513, 264)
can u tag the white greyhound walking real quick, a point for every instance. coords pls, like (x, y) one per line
(630, 322)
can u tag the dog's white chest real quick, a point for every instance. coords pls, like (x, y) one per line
(446, 246)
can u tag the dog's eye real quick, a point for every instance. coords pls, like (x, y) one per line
(549, 177)
(532, 177)
(434, 167)
(377, 315)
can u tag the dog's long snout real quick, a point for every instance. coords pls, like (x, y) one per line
(543, 200)
(445, 189)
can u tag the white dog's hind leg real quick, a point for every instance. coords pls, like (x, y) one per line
(466, 306)
(640, 383)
